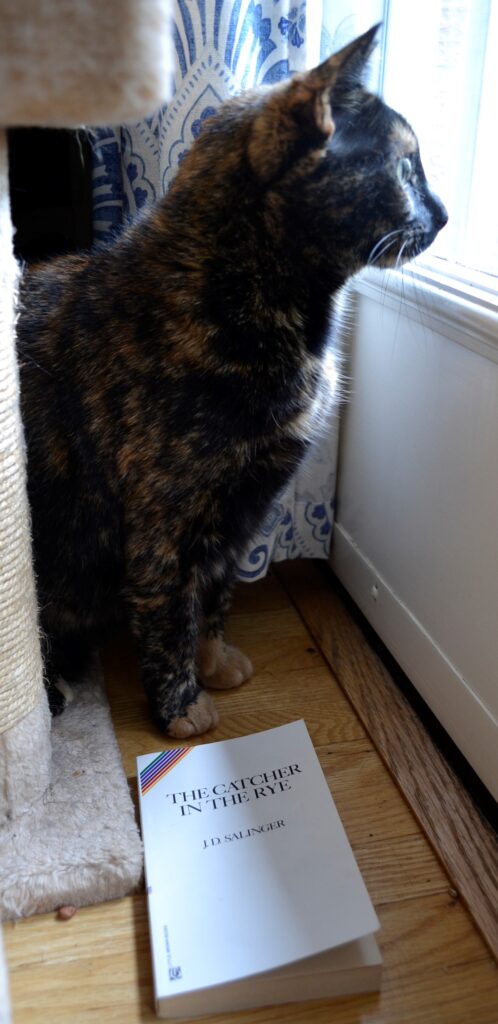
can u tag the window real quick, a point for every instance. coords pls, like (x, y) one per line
(440, 70)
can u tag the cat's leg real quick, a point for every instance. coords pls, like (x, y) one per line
(58, 690)
(164, 616)
(221, 666)
(65, 659)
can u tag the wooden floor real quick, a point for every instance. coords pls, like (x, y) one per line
(96, 967)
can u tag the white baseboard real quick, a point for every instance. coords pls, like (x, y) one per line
(464, 716)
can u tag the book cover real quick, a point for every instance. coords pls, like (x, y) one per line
(249, 872)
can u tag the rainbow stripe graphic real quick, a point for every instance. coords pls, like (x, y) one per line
(160, 766)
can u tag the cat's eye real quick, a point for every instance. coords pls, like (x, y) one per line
(404, 170)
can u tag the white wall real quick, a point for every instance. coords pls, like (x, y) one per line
(416, 536)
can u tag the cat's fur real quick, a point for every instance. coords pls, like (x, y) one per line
(168, 380)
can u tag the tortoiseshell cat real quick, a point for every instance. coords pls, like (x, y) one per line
(168, 381)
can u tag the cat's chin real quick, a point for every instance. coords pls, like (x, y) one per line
(411, 247)
(416, 244)
(396, 261)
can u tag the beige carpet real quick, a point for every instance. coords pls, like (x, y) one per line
(79, 844)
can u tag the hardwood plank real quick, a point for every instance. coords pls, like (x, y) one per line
(96, 967)
(291, 681)
(399, 863)
(275, 642)
(369, 802)
(265, 595)
(462, 839)
(261, 704)
(395, 869)
(436, 970)
(393, 855)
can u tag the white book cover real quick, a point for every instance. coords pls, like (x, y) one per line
(248, 870)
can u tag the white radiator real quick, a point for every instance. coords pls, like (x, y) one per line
(416, 535)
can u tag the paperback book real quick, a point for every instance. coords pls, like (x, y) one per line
(254, 894)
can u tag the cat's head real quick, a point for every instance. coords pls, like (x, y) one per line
(330, 166)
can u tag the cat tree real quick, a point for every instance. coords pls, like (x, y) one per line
(67, 827)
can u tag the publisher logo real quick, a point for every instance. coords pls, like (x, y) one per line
(174, 973)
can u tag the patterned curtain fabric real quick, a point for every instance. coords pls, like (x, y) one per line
(221, 48)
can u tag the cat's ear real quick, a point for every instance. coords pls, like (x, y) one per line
(354, 66)
(297, 116)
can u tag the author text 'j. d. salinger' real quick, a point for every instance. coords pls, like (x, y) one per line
(245, 833)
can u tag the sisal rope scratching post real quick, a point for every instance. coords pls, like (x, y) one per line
(24, 717)
(67, 826)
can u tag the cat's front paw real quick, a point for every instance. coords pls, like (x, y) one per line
(59, 695)
(199, 716)
(220, 665)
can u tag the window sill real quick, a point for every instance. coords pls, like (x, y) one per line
(463, 309)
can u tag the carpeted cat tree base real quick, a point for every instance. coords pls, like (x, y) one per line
(79, 843)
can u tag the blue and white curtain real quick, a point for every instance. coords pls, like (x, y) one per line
(223, 47)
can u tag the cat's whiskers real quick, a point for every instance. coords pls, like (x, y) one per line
(383, 244)
(383, 252)
(398, 263)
